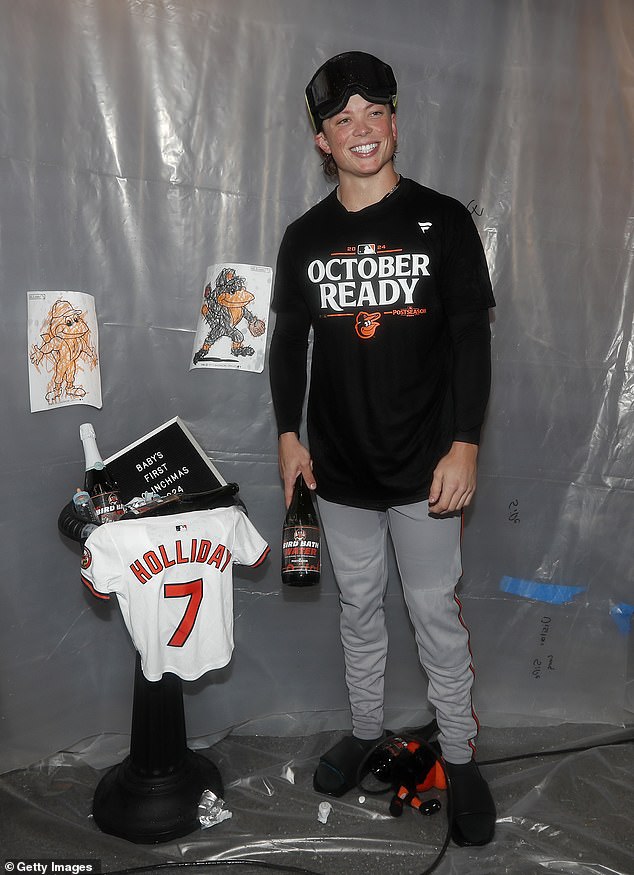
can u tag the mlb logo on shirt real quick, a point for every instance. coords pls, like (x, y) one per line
(366, 249)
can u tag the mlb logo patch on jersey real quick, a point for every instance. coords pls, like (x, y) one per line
(366, 249)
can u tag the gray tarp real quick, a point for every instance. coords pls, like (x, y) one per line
(143, 140)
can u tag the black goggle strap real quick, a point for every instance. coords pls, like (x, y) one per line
(316, 121)
(310, 115)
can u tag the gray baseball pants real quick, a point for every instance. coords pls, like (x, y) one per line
(427, 550)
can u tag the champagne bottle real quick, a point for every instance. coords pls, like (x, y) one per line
(301, 539)
(98, 483)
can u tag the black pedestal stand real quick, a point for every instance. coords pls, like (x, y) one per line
(153, 795)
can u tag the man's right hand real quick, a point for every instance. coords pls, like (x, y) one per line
(294, 459)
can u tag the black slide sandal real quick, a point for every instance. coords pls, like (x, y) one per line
(338, 768)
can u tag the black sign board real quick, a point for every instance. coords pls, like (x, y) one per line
(167, 460)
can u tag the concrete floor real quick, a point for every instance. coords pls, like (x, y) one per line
(566, 813)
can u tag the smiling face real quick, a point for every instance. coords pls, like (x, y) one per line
(70, 325)
(361, 138)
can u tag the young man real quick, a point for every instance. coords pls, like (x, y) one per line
(391, 276)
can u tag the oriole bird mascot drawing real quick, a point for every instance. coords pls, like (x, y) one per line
(65, 342)
(224, 307)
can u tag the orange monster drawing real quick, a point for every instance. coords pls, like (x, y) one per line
(223, 308)
(65, 341)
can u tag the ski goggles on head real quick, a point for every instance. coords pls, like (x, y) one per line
(344, 75)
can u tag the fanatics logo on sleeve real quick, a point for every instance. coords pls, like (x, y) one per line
(424, 226)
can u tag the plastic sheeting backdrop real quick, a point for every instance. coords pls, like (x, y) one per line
(141, 142)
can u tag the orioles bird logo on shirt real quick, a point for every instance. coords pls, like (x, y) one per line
(86, 558)
(366, 324)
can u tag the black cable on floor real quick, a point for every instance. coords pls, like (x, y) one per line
(189, 864)
(558, 752)
(277, 867)
(421, 736)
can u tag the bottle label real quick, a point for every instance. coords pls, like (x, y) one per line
(108, 507)
(301, 549)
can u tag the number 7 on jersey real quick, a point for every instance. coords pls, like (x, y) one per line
(194, 591)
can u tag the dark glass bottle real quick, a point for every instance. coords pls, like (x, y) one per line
(98, 483)
(383, 760)
(301, 539)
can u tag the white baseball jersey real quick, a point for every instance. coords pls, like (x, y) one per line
(173, 579)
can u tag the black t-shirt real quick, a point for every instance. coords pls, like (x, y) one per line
(397, 295)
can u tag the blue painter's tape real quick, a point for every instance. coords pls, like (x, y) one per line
(553, 594)
(622, 616)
